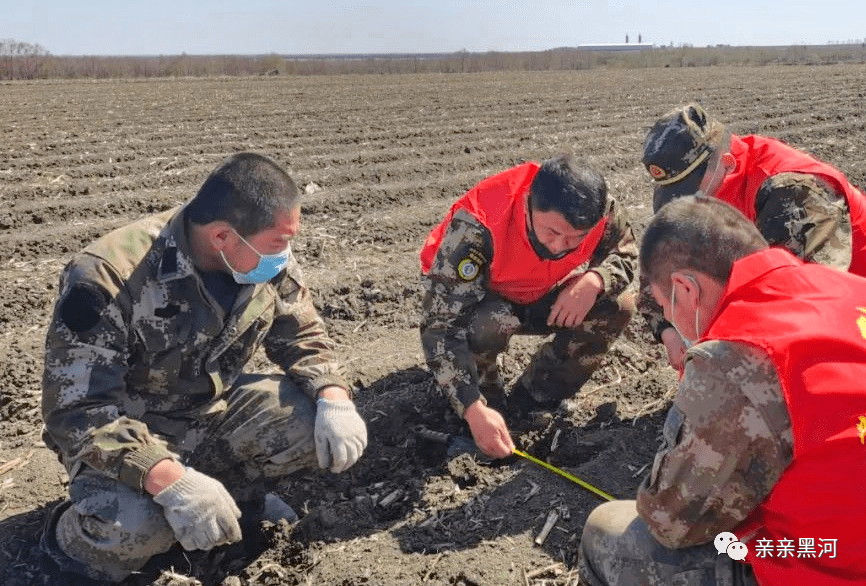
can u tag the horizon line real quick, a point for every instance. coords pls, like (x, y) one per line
(433, 54)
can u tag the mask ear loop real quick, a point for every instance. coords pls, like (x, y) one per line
(697, 309)
(697, 306)
(685, 340)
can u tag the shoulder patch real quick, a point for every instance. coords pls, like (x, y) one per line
(467, 269)
(82, 306)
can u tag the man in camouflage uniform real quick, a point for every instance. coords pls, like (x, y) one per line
(537, 249)
(739, 453)
(165, 437)
(796, 201)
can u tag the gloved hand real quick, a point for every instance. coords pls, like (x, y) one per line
(341, 434)
(200, 510)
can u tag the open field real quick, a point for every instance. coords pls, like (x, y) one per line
(390, 153)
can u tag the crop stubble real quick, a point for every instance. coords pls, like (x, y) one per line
(381, 157)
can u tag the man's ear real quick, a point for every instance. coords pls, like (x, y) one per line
(688, 286)
(217, 234)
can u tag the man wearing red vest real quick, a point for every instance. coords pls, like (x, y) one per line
(536, 249)
(796, 201)
(766, 439)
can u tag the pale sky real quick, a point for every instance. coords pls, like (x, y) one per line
(168, 27)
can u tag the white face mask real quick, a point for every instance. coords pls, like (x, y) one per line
(686, 341)
(707, 185)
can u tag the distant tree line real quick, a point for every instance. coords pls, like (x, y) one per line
(19, 60)
(25, 61)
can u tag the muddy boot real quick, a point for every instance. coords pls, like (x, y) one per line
(256, 515)
(276, 510)
(70, 572)
(270, 508)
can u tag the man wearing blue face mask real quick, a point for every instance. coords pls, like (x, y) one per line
(146, 400)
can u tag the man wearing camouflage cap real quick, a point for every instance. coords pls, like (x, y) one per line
(537, 249)
(765, 438)
(796, 201)
(167, 437)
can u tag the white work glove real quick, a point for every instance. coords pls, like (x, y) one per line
(341, 434)
(200, 510)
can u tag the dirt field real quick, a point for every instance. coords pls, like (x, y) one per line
(382, 157)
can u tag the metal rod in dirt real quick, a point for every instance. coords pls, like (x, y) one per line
(565, 474)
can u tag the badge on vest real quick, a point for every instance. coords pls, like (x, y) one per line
(861, 429)
(469, 268)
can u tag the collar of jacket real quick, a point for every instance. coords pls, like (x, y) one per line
(174, 250)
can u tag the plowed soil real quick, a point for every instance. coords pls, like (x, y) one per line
(382, 158)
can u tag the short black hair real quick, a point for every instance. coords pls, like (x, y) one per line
(571, 187)
(699, 233)
(246, 190)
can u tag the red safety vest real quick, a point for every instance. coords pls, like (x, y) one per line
(759, 157)
(811, 321)
(516, 271)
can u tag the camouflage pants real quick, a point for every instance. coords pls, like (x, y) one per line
(109, 530)
(617, 548)
(561, 365)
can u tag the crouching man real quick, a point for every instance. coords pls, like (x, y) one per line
(146, 395)
(765, 439)
(536, 249)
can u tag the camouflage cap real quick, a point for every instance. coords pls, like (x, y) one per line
(676, 152)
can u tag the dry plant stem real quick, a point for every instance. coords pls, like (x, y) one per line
(552, 518)
(16, 463)
(544, 570)
(432, 565)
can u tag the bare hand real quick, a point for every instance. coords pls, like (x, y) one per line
(575, 301)
(676, 348)
(488, 430)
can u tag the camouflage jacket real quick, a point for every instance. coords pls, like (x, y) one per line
(797, 211)
(726, 441)
(449, 300)
(138, 351)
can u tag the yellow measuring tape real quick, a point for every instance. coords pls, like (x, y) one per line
(571, 477)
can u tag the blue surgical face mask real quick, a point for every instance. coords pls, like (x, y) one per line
(268, 267)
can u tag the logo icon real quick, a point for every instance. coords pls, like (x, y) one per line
(727, 542)
(657, 172)
(467, 270)
(737, 551)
